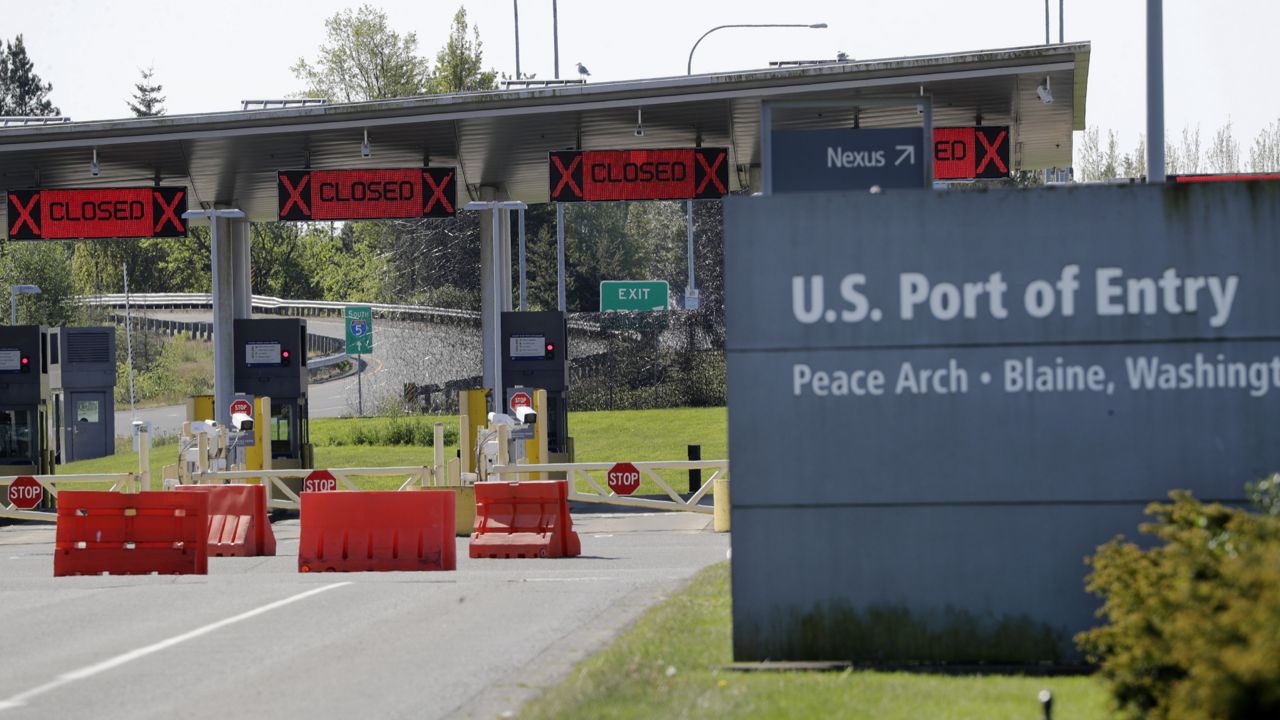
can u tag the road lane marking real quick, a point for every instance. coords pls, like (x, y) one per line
(97, 668)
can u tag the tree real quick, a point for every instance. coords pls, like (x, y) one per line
(1224, 154)
(21, 90)
(1264, 156)
(459, 63)
(363, 59)
(47, 265)
(147, 101)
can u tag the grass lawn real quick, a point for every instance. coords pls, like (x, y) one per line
(669, 666)
(598, 437)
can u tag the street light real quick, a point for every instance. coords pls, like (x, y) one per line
(14, 290)
(691, 298)
(814, 26)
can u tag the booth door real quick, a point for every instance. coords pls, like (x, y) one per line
(89, 434)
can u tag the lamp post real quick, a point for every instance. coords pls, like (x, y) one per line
(14, 291)
(691, 299)
(814, 26)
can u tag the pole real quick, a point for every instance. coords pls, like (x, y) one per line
(524, 284)
(1046, 22)
(1060, 25)
(690, 288)
(128, 339)
(560, 303)
(1155, 91)
(496, 320)
(13, 305)
(515, 4)
(555, 36)
(360, 384)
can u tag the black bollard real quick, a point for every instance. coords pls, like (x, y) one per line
(695, 476)
(1046, 703)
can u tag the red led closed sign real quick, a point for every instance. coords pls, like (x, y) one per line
(97, 213)
(670, 174)
(367, 194)
(970, 153)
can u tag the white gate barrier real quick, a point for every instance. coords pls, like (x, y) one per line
(281, 497)
(120, 482)
(598, 493)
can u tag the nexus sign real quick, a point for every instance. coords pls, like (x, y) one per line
(667, 174)
(367, 194)
(971, 153)
(93, 213)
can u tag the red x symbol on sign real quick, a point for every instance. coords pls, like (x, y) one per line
(991, 154)
(168, 213)
(437, 193)
(24, 214)
(295, 195)
(711, 173)
(566, 176)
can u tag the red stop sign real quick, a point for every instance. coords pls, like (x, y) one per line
(242, 406)
(320, 481)
(25, 492)
(519, 400)
(624, 478)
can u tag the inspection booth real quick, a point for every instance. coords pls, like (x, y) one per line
(24, 401)
(535, 351)
(271, 361)
(82, 382)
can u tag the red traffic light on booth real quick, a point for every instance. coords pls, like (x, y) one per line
(284, 357)
(26, 364)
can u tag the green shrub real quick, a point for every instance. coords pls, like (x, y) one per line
(1194, 627)
(412, 430)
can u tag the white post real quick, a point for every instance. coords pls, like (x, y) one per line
(437, 455)
(128, 339)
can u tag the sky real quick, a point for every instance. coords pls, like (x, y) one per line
(1219, 65)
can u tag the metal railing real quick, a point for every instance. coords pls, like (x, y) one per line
(599, 493)
(274, 304)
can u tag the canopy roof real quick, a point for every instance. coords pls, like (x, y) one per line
(501, 138)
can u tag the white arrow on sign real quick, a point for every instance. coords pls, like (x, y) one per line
(908, 154)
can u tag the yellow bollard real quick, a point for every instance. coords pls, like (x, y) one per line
(720, 506)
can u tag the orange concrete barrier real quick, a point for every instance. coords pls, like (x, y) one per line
(349, 531)
(130, 534)
(524, 520)
(238, 523)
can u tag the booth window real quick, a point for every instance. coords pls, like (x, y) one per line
(15, 435)
(87, 410)
(281, 430)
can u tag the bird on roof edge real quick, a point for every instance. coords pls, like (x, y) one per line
(582, 71)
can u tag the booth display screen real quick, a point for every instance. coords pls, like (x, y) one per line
(10, 360)
(528, 347)
(262, 354)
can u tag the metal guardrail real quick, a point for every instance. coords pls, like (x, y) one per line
(268, 303)
(300, 307)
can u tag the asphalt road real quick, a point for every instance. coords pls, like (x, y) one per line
(254, 638)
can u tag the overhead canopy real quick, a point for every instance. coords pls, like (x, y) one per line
(501, 138)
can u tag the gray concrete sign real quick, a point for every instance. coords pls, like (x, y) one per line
(848, 159)
(940, 403)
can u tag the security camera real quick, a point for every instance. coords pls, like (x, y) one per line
(526, 416)
(639, 132)
(1046, 95)
(242, 422)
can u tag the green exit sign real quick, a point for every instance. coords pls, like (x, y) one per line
(633, 295)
